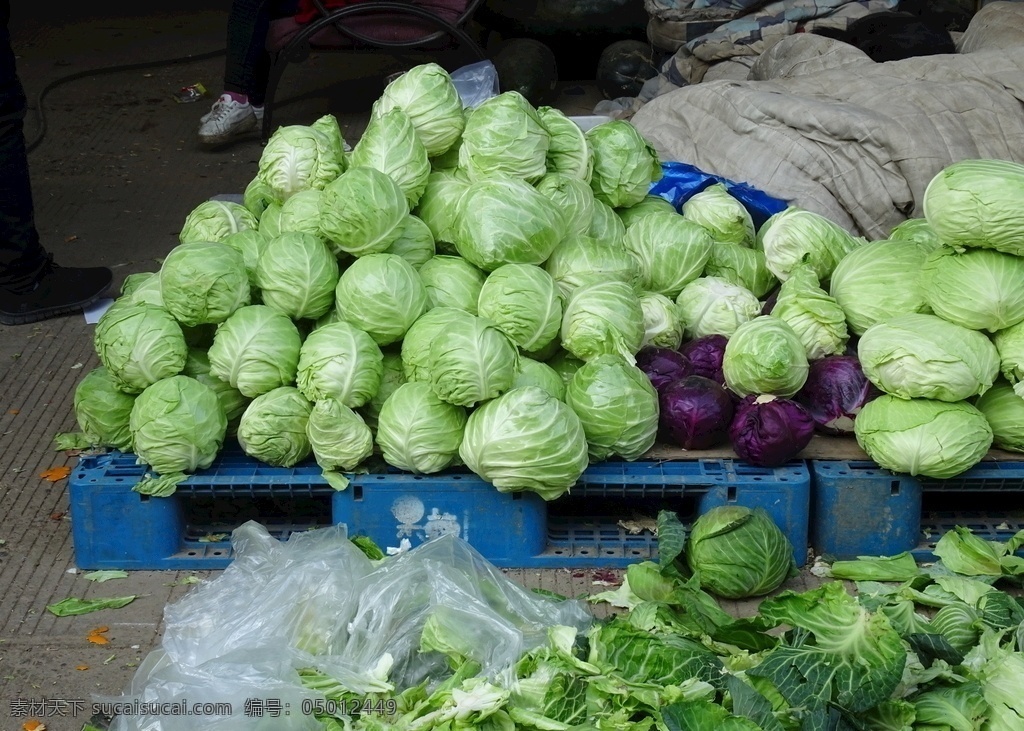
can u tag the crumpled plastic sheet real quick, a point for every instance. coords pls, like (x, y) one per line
(681, 181)
(317, 601)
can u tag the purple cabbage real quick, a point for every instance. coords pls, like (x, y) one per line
(695, 413)
(769, 303)
(768, 431)
(706, 355)
(835, 391)
(663, 366)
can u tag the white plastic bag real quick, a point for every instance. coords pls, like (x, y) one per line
(316, 602)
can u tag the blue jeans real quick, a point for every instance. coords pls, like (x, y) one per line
(21, 256)
(247, 63)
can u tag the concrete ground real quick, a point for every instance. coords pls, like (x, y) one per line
(114, 177)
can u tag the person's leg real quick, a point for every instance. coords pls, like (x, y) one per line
(21, 256)
(32, 287)
(246, 73)
(247, 63)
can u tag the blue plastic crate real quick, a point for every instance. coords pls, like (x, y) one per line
(861, 509)
(114, 527)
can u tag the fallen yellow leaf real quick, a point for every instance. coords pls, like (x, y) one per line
(96, 636)
(81, 667)
(14, 412)
(55, 474)
(33, 725)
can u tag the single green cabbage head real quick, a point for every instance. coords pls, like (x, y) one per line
(526, 439)
(938, 439)
(739, 552)
(765, 356)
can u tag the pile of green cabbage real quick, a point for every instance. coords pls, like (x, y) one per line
(516, 265)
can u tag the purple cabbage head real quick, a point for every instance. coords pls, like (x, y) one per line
(769, 303)
(835, 391)
(768, 431)
(663, 366)
(695, 413)
(706, 355)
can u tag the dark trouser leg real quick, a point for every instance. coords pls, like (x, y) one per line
(21, 256)
(247, 65)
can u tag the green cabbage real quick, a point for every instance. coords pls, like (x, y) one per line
(297, 275)
(604, 318)
(916, 229)
(416, 343)
(419, 432)
(256, 350)
(273, 427)
(298, 157)
(747, 268)
(923, 356)
(327, 124)
(415, 243)
(939, 439)
(606, 226)
(976, 203)
(232, 400)
(530, 372)
(739, 552)
(383, 295)
(270, 221)
(139, 344)
(339, 438)
(648, 205)
(390, 144)
(663, 327)
(617, 406)
(203, 282)
(506, 221)
(451, 281)
(796, 236)
(524, 302)
(568, 150)
(573, 197)
(340, 362)
(817, 319)
(393, 377)
(215, 221)
(471, 363)
(878, 281)
(671, 251)
(426, 93)
(504, 137)
(301, 212)
(257, 197)
(581, 260)
(526, 440)
(625, 164)
(952, 279)
(250, 245)
(726, 218)
(362, 212)
(1010, 346)
(439, 204)
(715, 306)
(177, 425)
(1004, 410)
(765, 356)
(102, 411)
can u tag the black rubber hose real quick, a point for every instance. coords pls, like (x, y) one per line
(41, 113)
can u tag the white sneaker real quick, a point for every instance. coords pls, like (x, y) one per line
(228, 119)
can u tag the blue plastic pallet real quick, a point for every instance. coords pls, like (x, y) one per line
(114, 527)
(861, 509)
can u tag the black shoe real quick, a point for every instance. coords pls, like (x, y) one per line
(58, 291)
